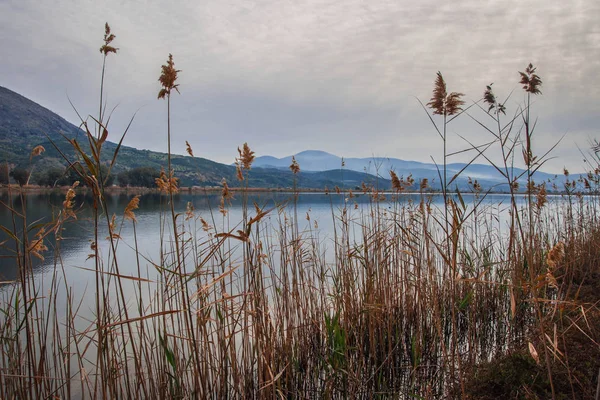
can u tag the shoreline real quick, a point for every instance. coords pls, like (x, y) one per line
(34, 189)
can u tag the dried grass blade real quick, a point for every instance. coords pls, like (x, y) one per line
(120, 276)
(144, 317)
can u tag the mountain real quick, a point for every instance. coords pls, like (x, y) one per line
(24, 124)
(486, 175)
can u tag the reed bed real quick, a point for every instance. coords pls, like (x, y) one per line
(404, 300)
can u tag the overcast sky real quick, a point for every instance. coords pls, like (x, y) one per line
(292, 75)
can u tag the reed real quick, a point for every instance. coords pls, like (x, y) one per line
(406, 300)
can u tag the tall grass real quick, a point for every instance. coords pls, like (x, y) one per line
(406, 300)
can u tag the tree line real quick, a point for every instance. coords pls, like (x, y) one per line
(60, 176)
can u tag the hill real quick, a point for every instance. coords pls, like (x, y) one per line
(316, 160)
(25, 124)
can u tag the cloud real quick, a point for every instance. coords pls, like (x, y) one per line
(289, 75)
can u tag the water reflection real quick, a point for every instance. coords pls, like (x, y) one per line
(77, 235)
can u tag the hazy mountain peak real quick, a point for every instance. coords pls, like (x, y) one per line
(314, 153)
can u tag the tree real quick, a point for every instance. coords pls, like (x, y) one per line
(4, 173)
(123, 178)
(50, 177)
(139, 177)
(20, 175)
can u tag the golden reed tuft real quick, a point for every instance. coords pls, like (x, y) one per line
(68, 203)
(226, 193)
(542, 197)
(490, 98)
(132, 205)
(37, 150)
(167, 78)
(167, 184)
(112, 227)
(294, 166)
(530, 80)
(189, 211)
(108, 38)
(556, 255)
(443, 103)
(246, 156)
(238, 172)
(37, 247)
(395, 181)
(188, 148)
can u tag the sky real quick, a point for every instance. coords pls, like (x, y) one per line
(285, 76)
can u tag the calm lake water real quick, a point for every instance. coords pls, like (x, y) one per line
(323, 210)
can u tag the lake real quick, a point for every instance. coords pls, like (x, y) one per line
(322, 209)
(328, 243)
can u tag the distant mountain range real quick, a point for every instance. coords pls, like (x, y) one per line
(486, 175)
(24, 124)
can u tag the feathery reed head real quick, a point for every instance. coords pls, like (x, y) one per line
(294, 166)
(188, 148)
(238, 171)
(37, 247)
(439, 95)
(189, 211)
(167, 78)
(68, 203)
(395, 181)
(542, 197)
(112, 229)
(222, 208)
(167, 184)
(226, 193)
(108, 38)
(490, 98)
(132, 205)
(246, 156)
(556, 255)
(443, 103)
(530, 80)
(37, 150)
(205, 226)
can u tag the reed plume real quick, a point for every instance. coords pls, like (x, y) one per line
(167, 184)
(294, 166)
(189, 211)
(167, 78)
(108, 38)
(37, 150)
(556, 255)
(395, 181)
(226, 193)
(37, 246)
(68, 203)
(530, 80)
(443, 103)
(489, 97)
(238, 172)
(246, 157)
(188, 148)
(131, 206)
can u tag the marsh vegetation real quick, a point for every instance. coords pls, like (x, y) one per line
(407, 298)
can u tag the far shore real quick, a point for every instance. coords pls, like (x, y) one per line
(35, 189)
